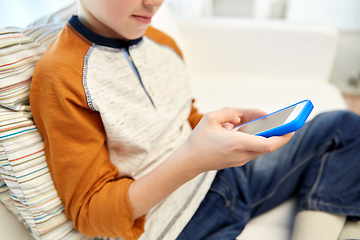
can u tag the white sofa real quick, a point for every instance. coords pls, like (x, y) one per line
(232, 62)
(259, 64)
(10, 227)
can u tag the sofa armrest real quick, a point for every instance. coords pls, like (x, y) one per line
(214, 93)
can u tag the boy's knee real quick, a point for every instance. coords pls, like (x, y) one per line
(338, 117)
(344, 122)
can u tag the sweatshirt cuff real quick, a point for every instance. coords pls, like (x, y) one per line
(110, 213)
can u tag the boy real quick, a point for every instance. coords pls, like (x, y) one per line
(111, 98)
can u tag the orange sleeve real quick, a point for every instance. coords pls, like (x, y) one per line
(164, 39)
(194, 117)
(88, 184)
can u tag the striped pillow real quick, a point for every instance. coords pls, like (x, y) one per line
(26, 174)
(26, 188)
(5, 196)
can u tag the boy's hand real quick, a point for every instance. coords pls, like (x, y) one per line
(212, 146)
(209, 147)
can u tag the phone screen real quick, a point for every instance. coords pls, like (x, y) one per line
(270, 121)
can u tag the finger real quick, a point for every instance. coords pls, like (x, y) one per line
(226, 115)
(279, 141)
(251, 114)
(228, 126)
(260, 144)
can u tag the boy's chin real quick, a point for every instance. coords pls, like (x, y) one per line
(136, 35)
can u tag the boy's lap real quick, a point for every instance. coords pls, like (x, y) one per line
(239, 194)
(275, 177)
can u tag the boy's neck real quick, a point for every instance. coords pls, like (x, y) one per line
(86, 18)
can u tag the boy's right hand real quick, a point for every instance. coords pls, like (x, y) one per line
(213, 147)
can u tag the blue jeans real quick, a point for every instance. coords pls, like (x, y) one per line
(320, 165)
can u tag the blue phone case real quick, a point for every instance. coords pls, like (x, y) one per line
(292, 126)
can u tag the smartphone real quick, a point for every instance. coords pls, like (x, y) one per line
(279, 123)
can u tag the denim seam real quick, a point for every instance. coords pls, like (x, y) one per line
(227, 202)
(282, 180)
(288, 174)
(230, 204)
(311, 193)
(321, 169)
(336, 138)
(334, 205)
(231, 190)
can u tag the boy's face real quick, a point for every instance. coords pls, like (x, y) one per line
(124, 19)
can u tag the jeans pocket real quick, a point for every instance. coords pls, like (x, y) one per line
(225, 190)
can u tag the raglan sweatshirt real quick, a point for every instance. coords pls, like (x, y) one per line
(110, 111)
